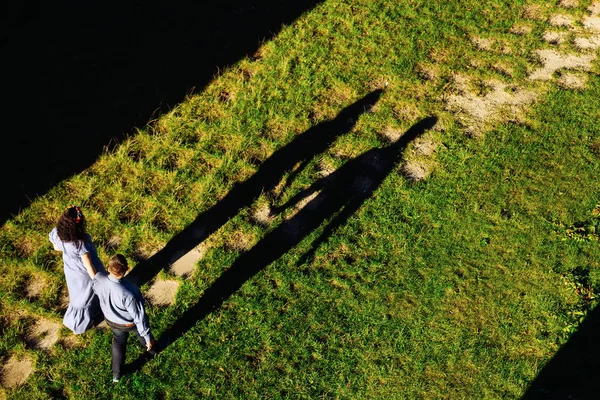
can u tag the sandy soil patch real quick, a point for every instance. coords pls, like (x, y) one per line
(587, 43)
(561, 20)
(484, 109)
(35, 287)
(572, 81)
(43, 334)
(482, 43)
(521, 29)
(308, 201)
(425, 147)
(415, 170)
(569, 3)
(594, 8)
(592, 23)
(162, 293)
(554, 37)
(391, 134)
(554, 61)
(263, 215)
(15, 372)
(186, 264)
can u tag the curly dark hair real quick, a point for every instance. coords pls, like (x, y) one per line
(71, 225)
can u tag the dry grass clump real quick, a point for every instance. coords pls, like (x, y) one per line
(521, 29)
(430, 72)
(533, 11)
(484, 44)
(240, 240)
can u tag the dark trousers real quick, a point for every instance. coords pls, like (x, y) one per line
(119, 344)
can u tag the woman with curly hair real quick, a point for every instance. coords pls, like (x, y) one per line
(81, 263)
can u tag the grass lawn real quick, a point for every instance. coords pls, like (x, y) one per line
(453, 267)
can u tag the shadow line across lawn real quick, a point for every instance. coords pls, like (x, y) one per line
(338, 196)
(80, 76)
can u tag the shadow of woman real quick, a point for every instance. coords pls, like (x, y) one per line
(301, 150)
(339, 196)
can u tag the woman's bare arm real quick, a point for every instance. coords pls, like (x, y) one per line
(87, 263)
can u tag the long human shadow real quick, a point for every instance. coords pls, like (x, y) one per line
(574, 372)
(80, 76)
(300, 151)
(338, 196)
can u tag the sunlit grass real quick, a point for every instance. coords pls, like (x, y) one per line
(459, 286)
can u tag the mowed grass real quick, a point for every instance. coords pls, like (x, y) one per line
(460, 286)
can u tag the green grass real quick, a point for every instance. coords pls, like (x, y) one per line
(460, 286)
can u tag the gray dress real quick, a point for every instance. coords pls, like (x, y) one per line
(83, 303)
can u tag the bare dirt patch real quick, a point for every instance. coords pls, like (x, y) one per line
(592, 23)
(501, 101)
(16, 371)
(587, 43)
(561, 20)
(533, 11)
(594, 8)
(553, 61)
(162, 292)
(416, 170)
(482, 43)
(569, 3)
(425, 147)
(262, 215)
(186, 264)
(554, 37)
(391, 134)
(572, 81)
(43, 334)
(35, 287)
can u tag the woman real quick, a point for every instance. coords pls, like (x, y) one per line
(80, 265)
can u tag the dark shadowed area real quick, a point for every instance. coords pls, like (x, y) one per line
(574, 372)
(79, 76)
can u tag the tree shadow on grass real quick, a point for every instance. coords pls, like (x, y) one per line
(78, 76)
(338, 196)
(301, 150)
(574, 372)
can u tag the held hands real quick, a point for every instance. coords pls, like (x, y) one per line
(149, 345)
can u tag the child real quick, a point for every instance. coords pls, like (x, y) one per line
(123, 307)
